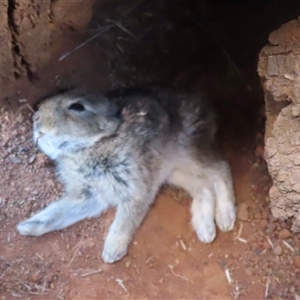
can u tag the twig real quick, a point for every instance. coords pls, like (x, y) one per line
(76, 248)
(237, 293)
(177, 275)
(97, 34)
(39, 256)
(91, 273)
(3, 274)
(36, 293)
(182, 245)
(60, 297)
(131, 9)
(267, 288)
(238, 237)
(85, 42)
(264, 251)
(16, 295)
(240, 231)
(270, 242)
(148, 259)
(243, 240)
(288, 246)
(120, 283)
(115, 23)
(59, 294)
(228, 276)
(73, 257)
(120, 48)
(30, 108)
(44, 287)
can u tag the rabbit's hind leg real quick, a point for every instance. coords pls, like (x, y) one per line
(203, 203)
(225, 205)
(210, 185)
(61, 214)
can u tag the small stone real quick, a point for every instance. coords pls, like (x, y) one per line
(15, 160)
(249, 272)
(257, 216)
(127, 264)
(277, 250)
(284, 234)
(296, 260)
(243, 212)
(34, 277)
(263, 224)
(295, 111)
(292, 289)
(67, 288)
(271, 227)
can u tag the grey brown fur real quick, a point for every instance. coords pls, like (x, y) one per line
(118, 149)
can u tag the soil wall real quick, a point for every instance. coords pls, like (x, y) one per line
(279, 69)
(25, 34)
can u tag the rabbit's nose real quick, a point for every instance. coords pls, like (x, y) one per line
(36, 116)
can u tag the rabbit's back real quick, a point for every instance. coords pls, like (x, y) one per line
(142, 116)
(155, 111)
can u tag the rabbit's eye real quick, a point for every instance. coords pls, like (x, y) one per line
(76, 106)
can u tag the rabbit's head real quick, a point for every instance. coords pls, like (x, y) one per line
(72, 121)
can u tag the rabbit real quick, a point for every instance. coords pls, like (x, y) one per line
(117, 149)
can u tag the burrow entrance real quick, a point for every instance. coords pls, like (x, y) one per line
(212, 46)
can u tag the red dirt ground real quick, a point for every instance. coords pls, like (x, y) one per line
(165, 261)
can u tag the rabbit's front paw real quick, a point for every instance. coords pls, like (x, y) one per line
(32, 227)
(225, 216)
(115, 247)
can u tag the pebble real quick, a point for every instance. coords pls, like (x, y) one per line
(292, 289)
(263, 224)
(34, 277)
(284, 234)
(277, 250)
(15, 160)
(243, 214)
(296, 260)
(271, 227)
(249, 272)
(257, 216)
